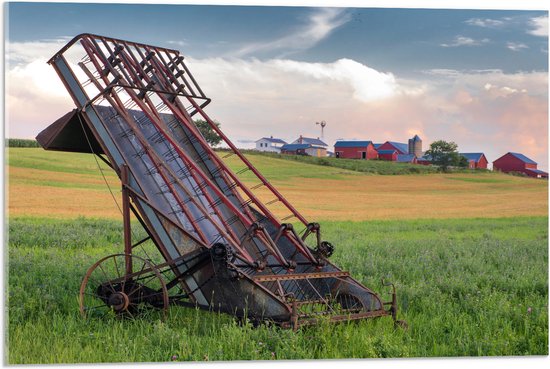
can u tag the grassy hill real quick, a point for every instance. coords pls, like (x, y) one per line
(69, 185)
(382, 167)
(472, 283)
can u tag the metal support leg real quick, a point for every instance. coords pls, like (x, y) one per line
(126, 219)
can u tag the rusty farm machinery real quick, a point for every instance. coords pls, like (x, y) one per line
(219, 247)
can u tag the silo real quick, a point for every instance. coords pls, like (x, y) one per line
(415, 146)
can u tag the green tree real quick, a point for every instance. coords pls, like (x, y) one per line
(445, 155)
(208, 132)
(462, 161)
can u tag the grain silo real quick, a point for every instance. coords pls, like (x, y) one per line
(415, 146)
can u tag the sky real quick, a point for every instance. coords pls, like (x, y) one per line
(476, 77)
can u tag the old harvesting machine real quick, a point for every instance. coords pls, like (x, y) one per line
(218, 246)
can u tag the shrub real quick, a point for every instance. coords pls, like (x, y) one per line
(20, 142)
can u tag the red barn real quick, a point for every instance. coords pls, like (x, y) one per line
(390, 155)
(514, 162)
(355, 150)
(476, 160)
(424, 160)
(401, 148)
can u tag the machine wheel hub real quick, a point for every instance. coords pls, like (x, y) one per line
(119, 301)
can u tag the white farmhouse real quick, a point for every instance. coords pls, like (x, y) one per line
(270, 144)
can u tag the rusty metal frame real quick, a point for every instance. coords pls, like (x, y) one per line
(257, 263)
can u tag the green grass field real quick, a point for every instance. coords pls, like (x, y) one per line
(473, 282)
(466, 287)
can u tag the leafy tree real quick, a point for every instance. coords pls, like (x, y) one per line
(444, 154)
(462, 162)
(209, 134)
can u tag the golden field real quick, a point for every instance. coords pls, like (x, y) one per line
(67, 185)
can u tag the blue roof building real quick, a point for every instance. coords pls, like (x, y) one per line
(523, 158)
(402, 148)
(518, 163)
(273, 140)
(386, 152)
(406, 158)
(269, 144)
(475, 156)
(352, 144)
(294, 147)
(315, 142)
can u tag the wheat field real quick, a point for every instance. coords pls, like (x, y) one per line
(67, 185)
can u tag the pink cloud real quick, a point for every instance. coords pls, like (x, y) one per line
(487, 111)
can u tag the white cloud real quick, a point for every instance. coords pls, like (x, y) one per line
(180, 43)
(345, 76)
(368, 84)
(320, 25)
(516, 46)
(465, 41)
(28, 52)
(536, 83)
(35, 97)
(504, 91)
(442, 72)
(478, 109)
(486, 23)
(538, 26)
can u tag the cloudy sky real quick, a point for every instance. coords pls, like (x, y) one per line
(476, 77)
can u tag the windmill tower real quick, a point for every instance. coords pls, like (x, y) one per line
(323, 125)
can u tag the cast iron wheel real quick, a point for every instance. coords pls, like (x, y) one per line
(107, 289)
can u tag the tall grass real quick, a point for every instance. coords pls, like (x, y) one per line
(467, 287)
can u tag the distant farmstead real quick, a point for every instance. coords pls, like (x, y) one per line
(315, 147)
(270, 144)
(476, 160)
(355, 150)
(515, 162)
(401, 148)
(389, 150)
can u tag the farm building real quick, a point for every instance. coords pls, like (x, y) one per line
(476, 160)
(406, 158)
(415, 146)
(515, 162)
(355, 150)
(295, 149)
(424, 160)
(401, 148)
(270, 144)
(390, 155)
(316, 146)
